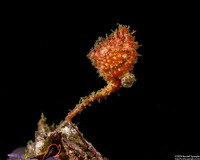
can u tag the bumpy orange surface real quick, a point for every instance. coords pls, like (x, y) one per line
(116, 55)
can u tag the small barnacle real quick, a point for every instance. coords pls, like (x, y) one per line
(128, 80)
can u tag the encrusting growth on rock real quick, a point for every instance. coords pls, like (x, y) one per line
(114, 58)
(61, 143)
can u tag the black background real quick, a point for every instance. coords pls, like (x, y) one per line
(45, 69)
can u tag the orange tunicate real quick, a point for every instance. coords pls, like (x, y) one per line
(115, 56)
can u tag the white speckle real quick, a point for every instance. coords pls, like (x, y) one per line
(119, 55)
(38, 145)
(66, 130)
(124, 56)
